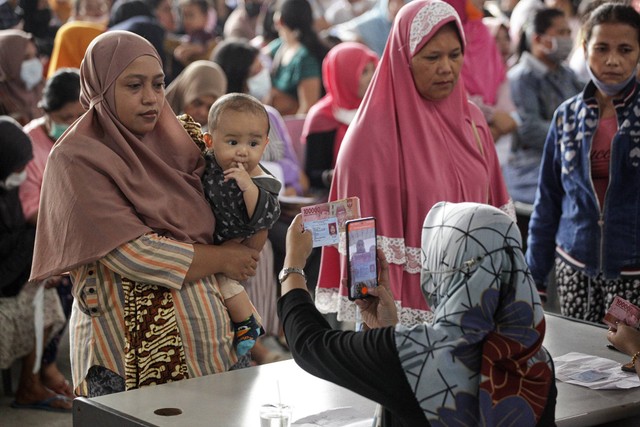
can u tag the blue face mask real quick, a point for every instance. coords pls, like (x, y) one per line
(611, 89)
(57, 129)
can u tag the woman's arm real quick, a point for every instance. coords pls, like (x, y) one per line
(235, 260)
(308, 93)
(364, 362)
(168, 263)
(627, 339)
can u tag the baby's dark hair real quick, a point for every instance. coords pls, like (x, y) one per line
(239, 102)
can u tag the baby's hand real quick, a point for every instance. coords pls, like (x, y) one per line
(240, 174)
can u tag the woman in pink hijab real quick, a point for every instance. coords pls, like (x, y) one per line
(346, 72)
(484, 71)
(416, 140)
(123, 211)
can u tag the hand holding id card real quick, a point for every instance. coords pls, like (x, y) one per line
(326, 221)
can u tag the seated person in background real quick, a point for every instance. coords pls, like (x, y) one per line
(37, 389)
(539, 84)
(371, 28)
(61, 104)
(626, 339)
(346, 71)
(242, 196)
(296, 72)
(243, 21)
(199, 38)
(195, 89)
(345, 10)
(21, 82)
(479, 287)
(136, 16)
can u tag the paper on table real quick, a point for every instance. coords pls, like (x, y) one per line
(337, 417)
(594, 372)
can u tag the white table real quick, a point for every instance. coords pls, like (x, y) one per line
(233, 398)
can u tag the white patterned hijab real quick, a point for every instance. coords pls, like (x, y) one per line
(482, 361)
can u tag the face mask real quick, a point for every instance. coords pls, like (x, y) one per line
(611, 89)
(253, 9)
(31, 72)
(260, 84)
(344, 116)
(14, 180)
(561, 47)
(57, 129)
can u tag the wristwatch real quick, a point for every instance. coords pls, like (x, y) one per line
(285, 272)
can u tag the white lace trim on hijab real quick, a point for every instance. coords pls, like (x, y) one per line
(428, 17)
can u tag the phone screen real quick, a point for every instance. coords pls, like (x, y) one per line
(361, 257)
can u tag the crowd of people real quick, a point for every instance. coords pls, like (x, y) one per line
(145, 145)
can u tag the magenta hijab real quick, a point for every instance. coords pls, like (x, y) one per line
(341, 72)
(104, 186)
(404, 153)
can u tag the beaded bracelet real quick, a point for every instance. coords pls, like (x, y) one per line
(634, 358)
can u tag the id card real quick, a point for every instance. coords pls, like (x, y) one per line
(326, 220)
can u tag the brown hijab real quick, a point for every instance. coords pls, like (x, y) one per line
(199, 78)
(15, 99)
(104, 186)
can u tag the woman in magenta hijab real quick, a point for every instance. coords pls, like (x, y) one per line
(415, 140)
(346, 72)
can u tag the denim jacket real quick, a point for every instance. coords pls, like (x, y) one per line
(567, 215)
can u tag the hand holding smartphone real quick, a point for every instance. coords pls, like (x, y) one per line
(362, 261)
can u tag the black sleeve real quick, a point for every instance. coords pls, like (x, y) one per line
(16, 250)
(364, 362)
(319, 157)
(267, 209)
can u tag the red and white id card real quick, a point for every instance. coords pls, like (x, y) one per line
(622, 311)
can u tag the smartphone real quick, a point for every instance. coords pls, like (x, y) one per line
(362, 260)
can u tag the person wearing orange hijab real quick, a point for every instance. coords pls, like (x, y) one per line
(70, 44)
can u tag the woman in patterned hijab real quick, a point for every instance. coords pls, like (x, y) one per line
(480, 363)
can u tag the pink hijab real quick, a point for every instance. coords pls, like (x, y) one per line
(341, 71)
(483, 69)
(402, 154)
(16, 100)
(104, 186)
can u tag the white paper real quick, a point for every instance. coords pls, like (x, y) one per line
(594, 372)
(337, 417)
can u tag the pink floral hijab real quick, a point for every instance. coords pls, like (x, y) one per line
(104, 186)
(341, 72)
(404, 153)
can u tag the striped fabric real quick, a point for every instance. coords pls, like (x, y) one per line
(97, 321)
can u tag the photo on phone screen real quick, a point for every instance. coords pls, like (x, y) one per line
(361, 257)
